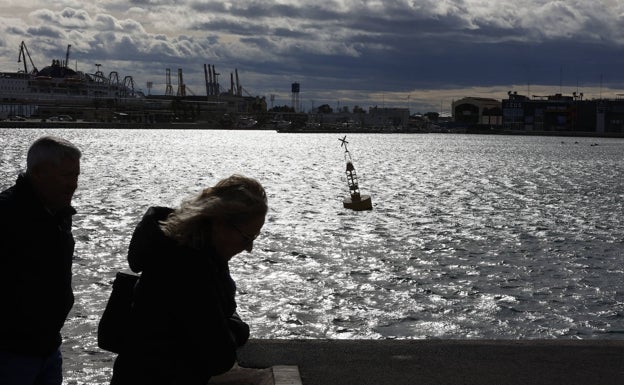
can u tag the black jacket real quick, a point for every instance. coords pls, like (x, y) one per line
(36, 250)
(184, 323)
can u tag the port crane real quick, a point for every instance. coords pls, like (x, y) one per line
(169, 88)
(23, 53)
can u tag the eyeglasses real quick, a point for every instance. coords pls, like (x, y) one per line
(248, 238)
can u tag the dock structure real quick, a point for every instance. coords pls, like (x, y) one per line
(432, 362)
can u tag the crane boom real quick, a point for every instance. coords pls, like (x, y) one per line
(23, 53)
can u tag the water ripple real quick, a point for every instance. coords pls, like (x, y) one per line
(470, 236)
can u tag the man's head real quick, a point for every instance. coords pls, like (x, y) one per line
(53, 166)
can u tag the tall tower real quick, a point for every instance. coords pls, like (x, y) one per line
(181, 85)
(169, 88)
(295, 96)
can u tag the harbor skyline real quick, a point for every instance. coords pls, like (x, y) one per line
(421, 55)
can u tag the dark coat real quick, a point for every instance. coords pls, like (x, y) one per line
(36, 250)
(184, 325)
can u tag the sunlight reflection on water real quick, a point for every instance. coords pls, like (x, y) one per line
(470, 236)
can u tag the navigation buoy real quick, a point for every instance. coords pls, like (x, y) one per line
(356, 201)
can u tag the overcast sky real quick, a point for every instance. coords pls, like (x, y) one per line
(420, 54)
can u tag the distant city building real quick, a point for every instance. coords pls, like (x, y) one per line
(380, 118)
(565, 114)
(473, 111)
(387, 117)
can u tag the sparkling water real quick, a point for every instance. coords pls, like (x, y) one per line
(470, 236)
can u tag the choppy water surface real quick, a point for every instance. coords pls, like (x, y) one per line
(470, 236)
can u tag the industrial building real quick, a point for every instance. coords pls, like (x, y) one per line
(551, 114)
(472, 111)
(562, 114)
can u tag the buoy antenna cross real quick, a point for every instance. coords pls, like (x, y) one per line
(344, 142)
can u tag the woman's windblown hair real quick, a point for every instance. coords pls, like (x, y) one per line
(235, 199)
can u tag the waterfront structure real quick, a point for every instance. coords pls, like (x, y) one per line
(562, 114)
(58, 82)
(387, 117)
(384, 118)
(474, 111)
(58, 90)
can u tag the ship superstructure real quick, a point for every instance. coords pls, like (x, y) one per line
(59, 82)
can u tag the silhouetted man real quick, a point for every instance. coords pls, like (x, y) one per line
(36, 250)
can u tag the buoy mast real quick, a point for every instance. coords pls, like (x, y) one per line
(355, 201)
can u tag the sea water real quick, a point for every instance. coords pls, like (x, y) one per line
(497, 237)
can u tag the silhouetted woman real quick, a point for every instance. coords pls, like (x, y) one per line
(184, 327)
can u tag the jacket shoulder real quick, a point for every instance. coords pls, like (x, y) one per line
(147, 239)
(10, 200)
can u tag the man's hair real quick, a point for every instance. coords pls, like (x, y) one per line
(50, 149)
(236, 199)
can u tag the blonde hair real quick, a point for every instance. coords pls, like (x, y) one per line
(235, 199)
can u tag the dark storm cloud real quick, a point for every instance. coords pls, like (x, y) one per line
(232, 27)
(337, 46)
(45, 31)
(263, 9)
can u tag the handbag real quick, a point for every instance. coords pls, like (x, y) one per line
(114, 324)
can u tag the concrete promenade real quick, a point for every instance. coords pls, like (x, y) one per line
(449, 362)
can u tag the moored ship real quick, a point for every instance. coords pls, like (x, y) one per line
(60, 83)
(32, 98)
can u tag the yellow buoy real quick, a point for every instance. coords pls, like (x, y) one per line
(355, 201)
